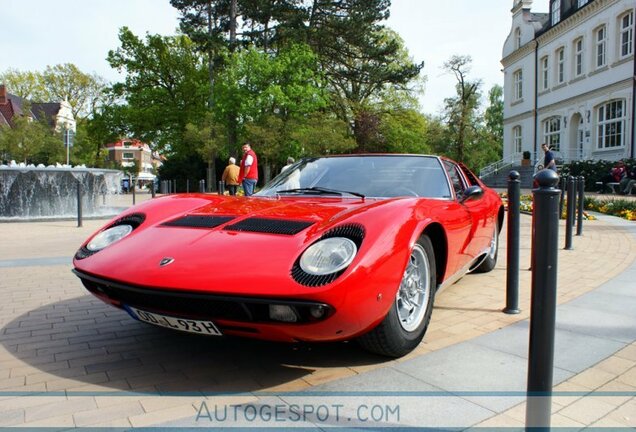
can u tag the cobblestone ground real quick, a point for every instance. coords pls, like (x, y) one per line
(54, 337)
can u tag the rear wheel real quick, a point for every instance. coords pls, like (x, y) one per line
(490, 261)
(404, 326)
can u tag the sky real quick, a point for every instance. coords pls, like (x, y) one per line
(38, 33)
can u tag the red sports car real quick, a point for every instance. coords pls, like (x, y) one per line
(333, 248)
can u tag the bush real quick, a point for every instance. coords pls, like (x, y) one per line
(592, 170)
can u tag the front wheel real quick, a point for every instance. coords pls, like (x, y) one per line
(407, 320)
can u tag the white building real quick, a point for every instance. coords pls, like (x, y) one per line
(570, 80)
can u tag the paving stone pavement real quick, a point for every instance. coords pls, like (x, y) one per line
(67, 360)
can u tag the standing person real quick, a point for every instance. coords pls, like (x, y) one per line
(230, 176)
(248, 175)
(548, 158)
(290, 162)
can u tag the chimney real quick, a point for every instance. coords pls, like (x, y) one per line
(3, 94)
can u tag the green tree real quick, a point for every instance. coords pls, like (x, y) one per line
(461, 111)
(31, 142)
(164, 90)
(27, 85)
(84, 92)
(267, 92)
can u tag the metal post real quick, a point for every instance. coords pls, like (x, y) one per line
(187, 185)
(132, 185)
(174, 188)
(581, 205)
(545, 237)
(563, 188)
(152, 188)
(79, 204)
(202, 186)
(221, 187)
(569, 219)
(512, 263)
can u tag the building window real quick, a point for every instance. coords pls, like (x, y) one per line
(611, 124)
(552, 133)
(560, 55)
(518, 84)
(601, 41)
(556, 11)
(582, 3)
(127, 144)
(545, 73)
(627, 34)
(578, 57)
(516, 138)
(128, 155)
(517, 38)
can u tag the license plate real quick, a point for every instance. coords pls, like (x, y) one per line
(181, 324)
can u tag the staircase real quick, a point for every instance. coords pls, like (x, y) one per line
(499, 179)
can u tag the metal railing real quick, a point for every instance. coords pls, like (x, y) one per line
(495, 167)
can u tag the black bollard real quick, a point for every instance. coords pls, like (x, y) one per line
(133, 186)
(79, 204)
(581, 205)
(545, 238)
(221, 187)
(569, 219)
(202, 186)
(174, 186)
(563, 188)
(512, 259)
(187, 185)
(152, 189)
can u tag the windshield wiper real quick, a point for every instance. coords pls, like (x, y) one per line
(319, 191)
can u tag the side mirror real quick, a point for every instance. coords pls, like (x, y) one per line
(471, 192)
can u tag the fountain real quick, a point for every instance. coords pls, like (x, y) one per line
(28, 192)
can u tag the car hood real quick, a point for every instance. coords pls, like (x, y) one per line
(250, 251)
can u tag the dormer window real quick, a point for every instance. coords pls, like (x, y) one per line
(127, 144)
(582, 3)
(517, 38)
(555, 7)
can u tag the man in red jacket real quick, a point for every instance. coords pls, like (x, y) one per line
(249, 170)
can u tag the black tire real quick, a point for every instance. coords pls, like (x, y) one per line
(490, 261)
(396, 336)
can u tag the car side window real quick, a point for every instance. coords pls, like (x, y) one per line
(468, 175)
(456, 178)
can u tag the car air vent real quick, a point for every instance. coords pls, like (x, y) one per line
(353, 232)
(270, 226)
(199, 221)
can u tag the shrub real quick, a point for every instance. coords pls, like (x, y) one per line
(592, 170)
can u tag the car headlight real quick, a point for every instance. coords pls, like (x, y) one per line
(328, 256)
(108, 237)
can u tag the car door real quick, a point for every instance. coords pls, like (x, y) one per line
(478, 237)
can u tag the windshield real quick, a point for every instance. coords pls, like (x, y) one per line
(372, 176)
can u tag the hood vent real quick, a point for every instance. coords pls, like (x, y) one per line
(199, 221)
(270, 226)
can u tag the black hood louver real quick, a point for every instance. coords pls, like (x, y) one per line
(270, 226)
(353, 232)
(198, 221)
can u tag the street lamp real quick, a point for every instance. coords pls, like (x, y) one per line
(68, 143)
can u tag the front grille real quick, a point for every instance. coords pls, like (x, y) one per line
(270, 226)
(198, 221)
(354, 232)
(197, 305)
